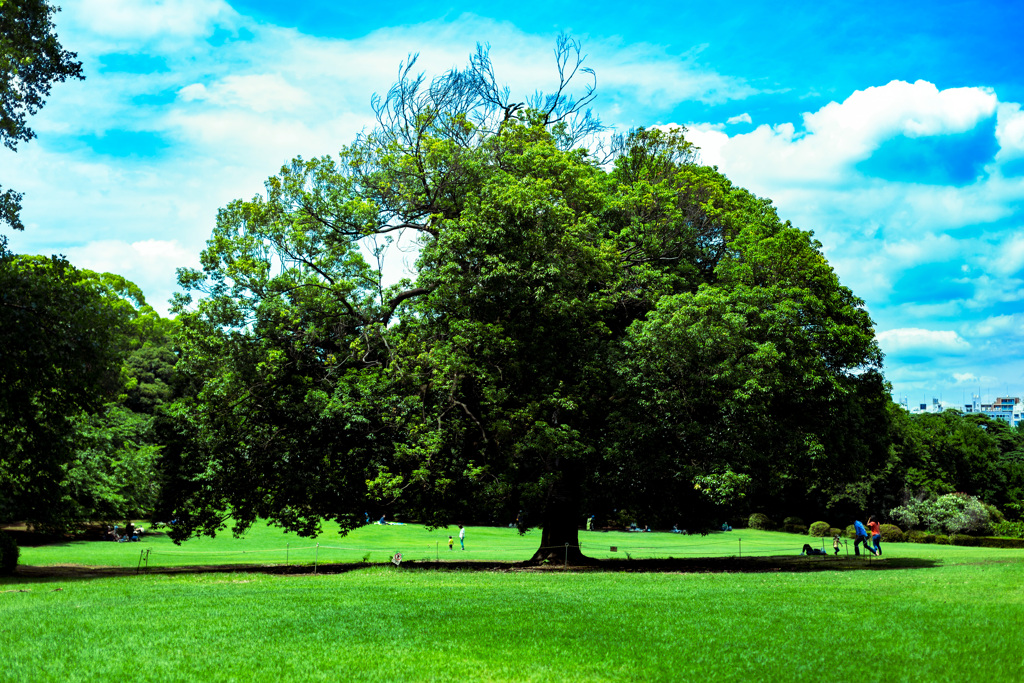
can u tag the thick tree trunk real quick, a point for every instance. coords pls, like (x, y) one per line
(560, 540)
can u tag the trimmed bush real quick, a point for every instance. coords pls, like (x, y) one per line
(931, 538)
(965, 540)
(891, 533)
(916, 536)
(760, 521)
(9, 552)
(835, 532)
(942, 539)
(793, 521)
(820, 529)
(794, 528)
(850, 532)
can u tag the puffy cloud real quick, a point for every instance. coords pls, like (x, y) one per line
(1010, 131)
(144, 20)
(915, 340)
(742, 118)
(830, 141)
(148, 263)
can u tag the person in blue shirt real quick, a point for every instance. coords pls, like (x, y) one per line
(860, 535)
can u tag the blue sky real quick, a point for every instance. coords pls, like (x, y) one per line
(895, 133)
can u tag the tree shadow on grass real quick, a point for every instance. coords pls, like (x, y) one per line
(739, 565)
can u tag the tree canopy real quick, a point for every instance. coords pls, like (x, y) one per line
(589, 327)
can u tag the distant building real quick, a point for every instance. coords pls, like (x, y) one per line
(936, 406)
(1007, 409)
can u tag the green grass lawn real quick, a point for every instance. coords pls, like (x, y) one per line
(268, 545)
(958, 618)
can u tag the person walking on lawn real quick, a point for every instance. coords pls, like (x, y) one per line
(860, 535)
(462, 536)
(876, 535)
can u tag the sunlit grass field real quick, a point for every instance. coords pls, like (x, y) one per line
(378, 544)
(949, 613)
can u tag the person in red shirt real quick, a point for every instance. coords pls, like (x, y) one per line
(876, 535)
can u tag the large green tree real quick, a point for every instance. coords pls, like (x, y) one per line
(31, 60)
(584, 330)
(75, 359)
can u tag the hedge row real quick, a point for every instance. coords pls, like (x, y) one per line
(890, 533)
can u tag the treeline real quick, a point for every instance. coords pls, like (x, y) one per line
(86, 368)
(91, 400)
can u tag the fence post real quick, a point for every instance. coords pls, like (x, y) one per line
(316, 557)
(566, 554)
(740, 541)
(287, 549)
(141, 552)
(437, 551)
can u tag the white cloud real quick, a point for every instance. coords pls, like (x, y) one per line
(148, 263)
(998, 326)
(840, 134)
(261, 93)
(1008, 257)
(908, 340)
(742, 118)
(144, 20)
(965, 377)
(1010, 131)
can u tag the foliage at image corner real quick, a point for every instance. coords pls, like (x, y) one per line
(31, 60)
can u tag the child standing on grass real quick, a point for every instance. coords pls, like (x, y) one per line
(835, 543)
(451, 543)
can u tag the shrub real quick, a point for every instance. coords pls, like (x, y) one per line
(850, 532)
(916, 536)
(953, 513)
(794, 528)
(1008, 529)
(835, 532)
(760, 521)
(820, 529)
(941, 539)
(9, 552)
(891, 533)
(994, 514)
(931, 538)
(795, 521)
